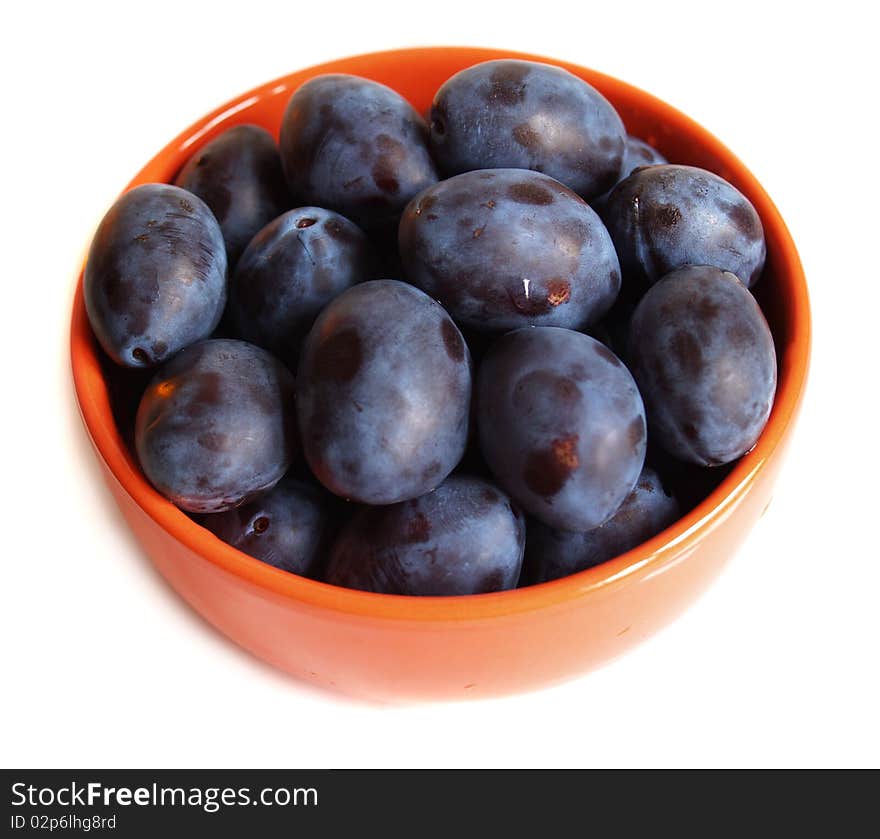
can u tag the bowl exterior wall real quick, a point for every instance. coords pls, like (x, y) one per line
(388, 660)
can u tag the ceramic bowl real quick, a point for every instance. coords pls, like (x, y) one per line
(394, 648)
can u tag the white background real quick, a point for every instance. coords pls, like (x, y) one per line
(104, 666)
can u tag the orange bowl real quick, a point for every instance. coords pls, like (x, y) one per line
(386, 647)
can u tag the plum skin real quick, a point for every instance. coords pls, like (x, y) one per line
(290, 270)
(703, 356)
(216, 426)
(505, 248)
(465, 537)
(637, 153)
(666, 216)
(287, 527)
(238, 175)
(384, 391)
(647, 510)
(354, 146)
(561, 425)
(514, 114)
(155, 278)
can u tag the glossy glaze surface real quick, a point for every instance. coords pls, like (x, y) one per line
(395, 648)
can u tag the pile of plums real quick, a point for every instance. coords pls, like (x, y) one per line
(435, 357)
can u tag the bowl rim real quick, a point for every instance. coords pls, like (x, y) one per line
(647, 559)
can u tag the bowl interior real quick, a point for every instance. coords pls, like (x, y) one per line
(416, 74)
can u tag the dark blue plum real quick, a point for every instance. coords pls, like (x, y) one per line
(512, 114)
(552, 554)
(288, 527)
(561, 425)
(506, 248)
(155, 279)
(354, 146)
(636, 153)
(465, 537)
(216, 426)
(238, 175)
(384, 387)
(291, 269)
(663, 217)
(703, 356)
